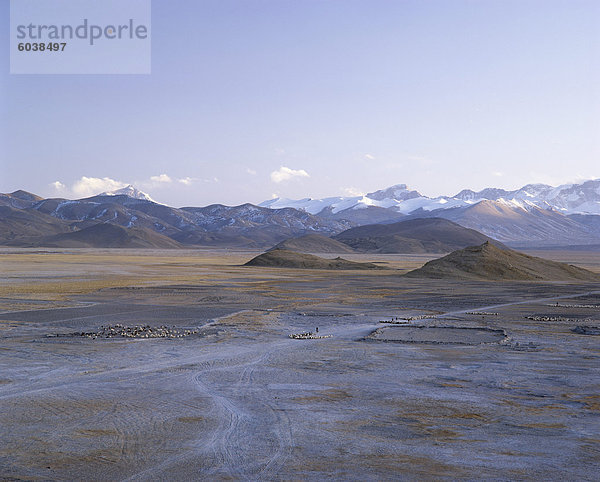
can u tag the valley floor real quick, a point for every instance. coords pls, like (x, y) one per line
(240, 399)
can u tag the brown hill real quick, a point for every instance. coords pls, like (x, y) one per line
(107, 236)
(19, 199)
(520, 226)
(313, 243)
(488, 262)
(283, 258)
(423, 235)
(19, 223)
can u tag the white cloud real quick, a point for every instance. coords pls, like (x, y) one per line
(352, 191)
(251, 171)
(187, 180)
(88, 186)
(161, 178)
(285, 174)
(58, 186)
(497, 174)
(371, 157)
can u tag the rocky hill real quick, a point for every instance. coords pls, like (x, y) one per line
(488, 262)
(314, 243)
(430, 235)
(283, 258)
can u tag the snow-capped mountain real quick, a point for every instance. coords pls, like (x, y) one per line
(129, 191)
(314, 206)
(536, 214)
(397, 198)
(583, 198)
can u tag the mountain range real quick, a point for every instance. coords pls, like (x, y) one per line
(583, 198)
(29, 220)
(535, 215)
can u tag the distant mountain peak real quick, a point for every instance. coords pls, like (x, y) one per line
(129, 191)
(398, 192)
(25, 195)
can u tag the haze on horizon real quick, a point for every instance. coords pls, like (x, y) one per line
(250, 99)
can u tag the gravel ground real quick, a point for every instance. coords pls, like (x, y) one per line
(240, 399)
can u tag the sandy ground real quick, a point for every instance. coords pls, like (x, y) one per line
(241, 400)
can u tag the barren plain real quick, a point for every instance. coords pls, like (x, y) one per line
(474, 380)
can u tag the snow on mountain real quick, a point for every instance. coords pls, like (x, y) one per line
(399, 192)
(490, 193)
(397, 198)
(581, 198)
(129, 191)
(428, 204)
(313, 206)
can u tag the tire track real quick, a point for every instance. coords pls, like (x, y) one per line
(227, 448)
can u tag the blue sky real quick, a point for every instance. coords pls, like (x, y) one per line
(346, 96)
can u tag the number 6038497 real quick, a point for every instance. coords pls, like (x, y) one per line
(41, 47)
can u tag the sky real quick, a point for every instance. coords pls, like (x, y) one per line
(253, 99)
